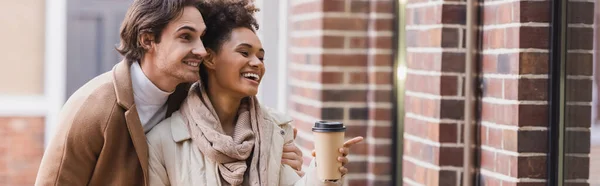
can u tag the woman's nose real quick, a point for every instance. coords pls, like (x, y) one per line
(256, 62)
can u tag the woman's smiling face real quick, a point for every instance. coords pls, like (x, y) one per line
(238, 65)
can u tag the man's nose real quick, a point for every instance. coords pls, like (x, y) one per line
(199, 50)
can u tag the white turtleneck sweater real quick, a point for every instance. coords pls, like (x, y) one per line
(149, 99)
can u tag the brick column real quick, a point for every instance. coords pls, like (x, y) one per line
(434, 96)
(514, 132)
(579, 64)
(341, 70)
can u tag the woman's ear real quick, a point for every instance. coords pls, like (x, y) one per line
(146, 41)
(209, 59)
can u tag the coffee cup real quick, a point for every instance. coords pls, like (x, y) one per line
(329, 138)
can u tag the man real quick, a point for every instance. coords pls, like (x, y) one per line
(101, 138)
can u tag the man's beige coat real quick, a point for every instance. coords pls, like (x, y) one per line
(100, 140)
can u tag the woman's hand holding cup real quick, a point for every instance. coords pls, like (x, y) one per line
(345, 150)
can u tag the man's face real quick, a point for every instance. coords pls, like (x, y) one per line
(178, 55)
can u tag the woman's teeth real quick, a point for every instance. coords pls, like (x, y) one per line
(252, 76)
(194, 64)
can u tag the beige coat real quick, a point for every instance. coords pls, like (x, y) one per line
(175, 160)
(100, 140)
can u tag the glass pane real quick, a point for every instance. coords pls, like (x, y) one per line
(582, 121)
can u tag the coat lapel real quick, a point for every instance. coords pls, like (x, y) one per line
(138, 138)
(122, 84)
(124, 91)
(266, 138)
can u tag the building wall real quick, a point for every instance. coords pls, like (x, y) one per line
(340, 69)
(514, 58)
(21, 149)
(21, 90)
(23, 49)
(514, 111)
(579, 69)
(434, 96)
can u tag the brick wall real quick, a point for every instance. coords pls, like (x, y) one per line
(580, 51)
(514, 58)
(434, 96)
(21, 149)
(341, 69)
(515, 85)
(514, 104)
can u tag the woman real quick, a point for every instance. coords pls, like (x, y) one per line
(221, 135)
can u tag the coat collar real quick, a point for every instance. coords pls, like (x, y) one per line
(179, 130)
(275, 115)
(124, 92)
(122, 84)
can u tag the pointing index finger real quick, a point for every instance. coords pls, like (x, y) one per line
(295, 132)
(353, 141)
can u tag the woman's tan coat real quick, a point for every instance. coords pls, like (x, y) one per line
(175, 160)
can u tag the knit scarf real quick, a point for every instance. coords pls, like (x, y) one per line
(230, 152)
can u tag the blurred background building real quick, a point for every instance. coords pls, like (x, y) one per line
(392, 71)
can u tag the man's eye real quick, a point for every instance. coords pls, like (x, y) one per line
(185, 36)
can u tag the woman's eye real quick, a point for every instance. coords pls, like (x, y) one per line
(245, 54)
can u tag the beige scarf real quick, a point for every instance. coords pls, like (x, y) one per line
(230, 152)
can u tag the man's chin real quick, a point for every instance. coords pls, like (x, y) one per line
(190, 79)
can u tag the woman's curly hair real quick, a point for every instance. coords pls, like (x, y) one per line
(222, 16)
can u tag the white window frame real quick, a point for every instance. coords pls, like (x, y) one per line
(55, 63)
(48, 104)
(595, 128)
(273, 20)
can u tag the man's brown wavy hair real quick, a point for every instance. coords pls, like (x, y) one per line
(148, 16)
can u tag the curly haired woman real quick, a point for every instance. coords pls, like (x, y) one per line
(221, 135)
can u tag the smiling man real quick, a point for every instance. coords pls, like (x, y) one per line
(101, 136)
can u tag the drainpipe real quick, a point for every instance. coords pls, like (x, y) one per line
(471, 35)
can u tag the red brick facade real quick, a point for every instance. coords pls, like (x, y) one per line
(580, 54)
(434, 96)
(21, 149)
(341, 68)
(514, 58)
(514, 115)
